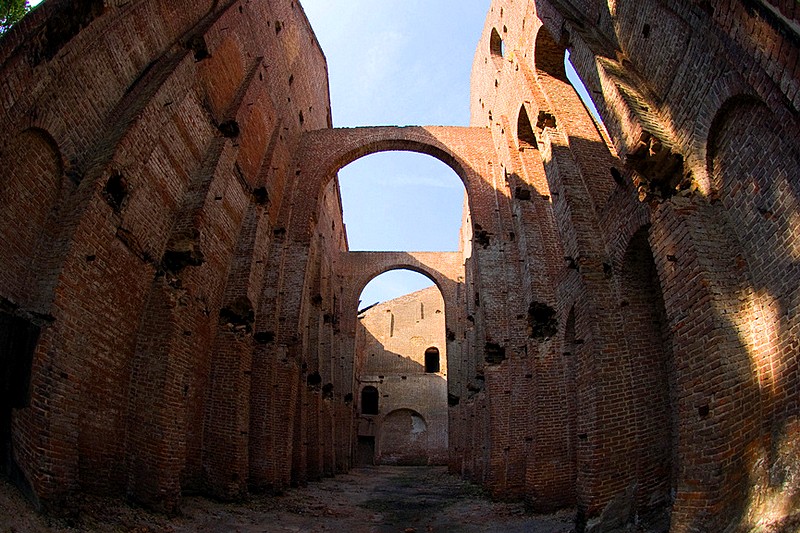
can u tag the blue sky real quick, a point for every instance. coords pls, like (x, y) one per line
(399, 63)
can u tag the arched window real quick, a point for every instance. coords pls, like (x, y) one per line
(496, 45)
(432, 360)
(369, 401)
(525, 135)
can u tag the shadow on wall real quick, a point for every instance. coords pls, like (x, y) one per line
(402, 409)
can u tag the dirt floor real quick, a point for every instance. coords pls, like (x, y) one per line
(367, 500)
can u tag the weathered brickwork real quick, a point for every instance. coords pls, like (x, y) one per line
(401, 351)
(178, 305)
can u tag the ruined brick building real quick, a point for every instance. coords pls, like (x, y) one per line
(401, 380)
(179, 305)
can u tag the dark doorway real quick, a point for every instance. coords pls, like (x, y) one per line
(18, 339)
(369, 401)
(365, 452)
(432, 360)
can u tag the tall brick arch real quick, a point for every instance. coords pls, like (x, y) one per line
(468, 151)
(444, 269)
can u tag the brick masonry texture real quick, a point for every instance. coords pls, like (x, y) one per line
(618, 333)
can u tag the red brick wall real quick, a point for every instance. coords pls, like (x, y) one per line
(620, 324)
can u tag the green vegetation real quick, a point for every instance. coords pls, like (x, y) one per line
(10, 13)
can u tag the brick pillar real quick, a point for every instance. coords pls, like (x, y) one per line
(718, 393)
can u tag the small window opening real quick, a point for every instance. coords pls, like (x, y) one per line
(432, 360)
(421, 311)
(525, 135)
(391, 324)
(369, 401)
(496, 45)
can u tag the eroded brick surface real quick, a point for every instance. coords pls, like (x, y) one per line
(620, 326)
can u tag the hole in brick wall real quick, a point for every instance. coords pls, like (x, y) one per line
(453, 400)
(481, 237)
(291, 79)
(617, 176)
(261, 196)
(583, 436)
(115, 191)
(661, 172)
(703, 411)
(707, 7)
(278, 27)
(316, 299)
(451, 335)
(477, 300)
(314, 380)
(181, 255)
(607, 270)
(522, 193)
(279, 232)
(327, 391)
(301, 118)
(542, 321)
(229, 129)
(545, 120)
(90, 258)
(571, 263)
(238, 316)
(494, 354)
(264, 337)
(369, 400)
(348, 398)
(646, 31)
(197, 44)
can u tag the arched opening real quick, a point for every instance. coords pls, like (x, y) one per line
(400, 347)
(525, 136)
(570, 366)
(652, 444)
(404, 439)
(432, 360)
(369, 400)
(401, 201)
(496, 45)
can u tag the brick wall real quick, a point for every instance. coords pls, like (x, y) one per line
(620, 325)
(392, 340)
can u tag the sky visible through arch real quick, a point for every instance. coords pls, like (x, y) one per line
(401, 63)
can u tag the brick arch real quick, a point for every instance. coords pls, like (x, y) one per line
(548, 55)
(716, 128)
(468, 151)
(32, 183)
(443, 268)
